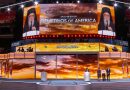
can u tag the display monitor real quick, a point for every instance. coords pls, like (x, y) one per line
(60, 19)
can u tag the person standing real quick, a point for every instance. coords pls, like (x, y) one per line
(106, 21)
(104, 75)
(22, 49)
(98, 73)
(31, 22)
(87, 70)
(108, 71)
(106, 25)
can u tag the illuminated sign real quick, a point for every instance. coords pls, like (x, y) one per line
(68, 47)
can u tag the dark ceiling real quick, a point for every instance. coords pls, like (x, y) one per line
(6, 2)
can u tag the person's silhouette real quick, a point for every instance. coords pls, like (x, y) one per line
(22, 49)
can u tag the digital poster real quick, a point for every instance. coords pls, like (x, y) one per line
(31, 21)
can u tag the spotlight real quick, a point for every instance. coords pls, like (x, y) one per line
(8, 9)
(89, 82)
(115, 4)
(90, 11)
(57, 2)
(36, 3)
(78, 1)
(129, 7)
(100, 2)
(22, 6)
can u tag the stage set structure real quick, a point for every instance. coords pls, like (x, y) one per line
(65, 39)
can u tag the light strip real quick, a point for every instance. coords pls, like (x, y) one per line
(57, 2)
(120, 2)
(16, 4)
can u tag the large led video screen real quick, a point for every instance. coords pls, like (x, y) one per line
(106, 20)
(70, 66)
(117, 66)
(89, 61)
(69, 47)
(60, 19)
(31, 18)
(46, 63)
(23, 69)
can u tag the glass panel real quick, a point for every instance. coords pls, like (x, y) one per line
(23, 68)
(128, 68)
(4, 68)
(66, 66)
(10, 68)
(125, 68)
(89, 61)
(116, 66)
(46, 63)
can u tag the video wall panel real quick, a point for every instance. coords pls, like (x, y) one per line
(4, 68)
(69, 47)
(116, 66)
(23, 69)
(31, 19)
(60, 19)
(68, 18)
(89, 61)
(46, 63)
(65, 66)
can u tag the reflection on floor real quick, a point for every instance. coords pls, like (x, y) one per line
(123, 84)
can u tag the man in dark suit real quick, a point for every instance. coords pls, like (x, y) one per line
(98, 73)
(108, 71)
(31, 22)
(106, 22)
